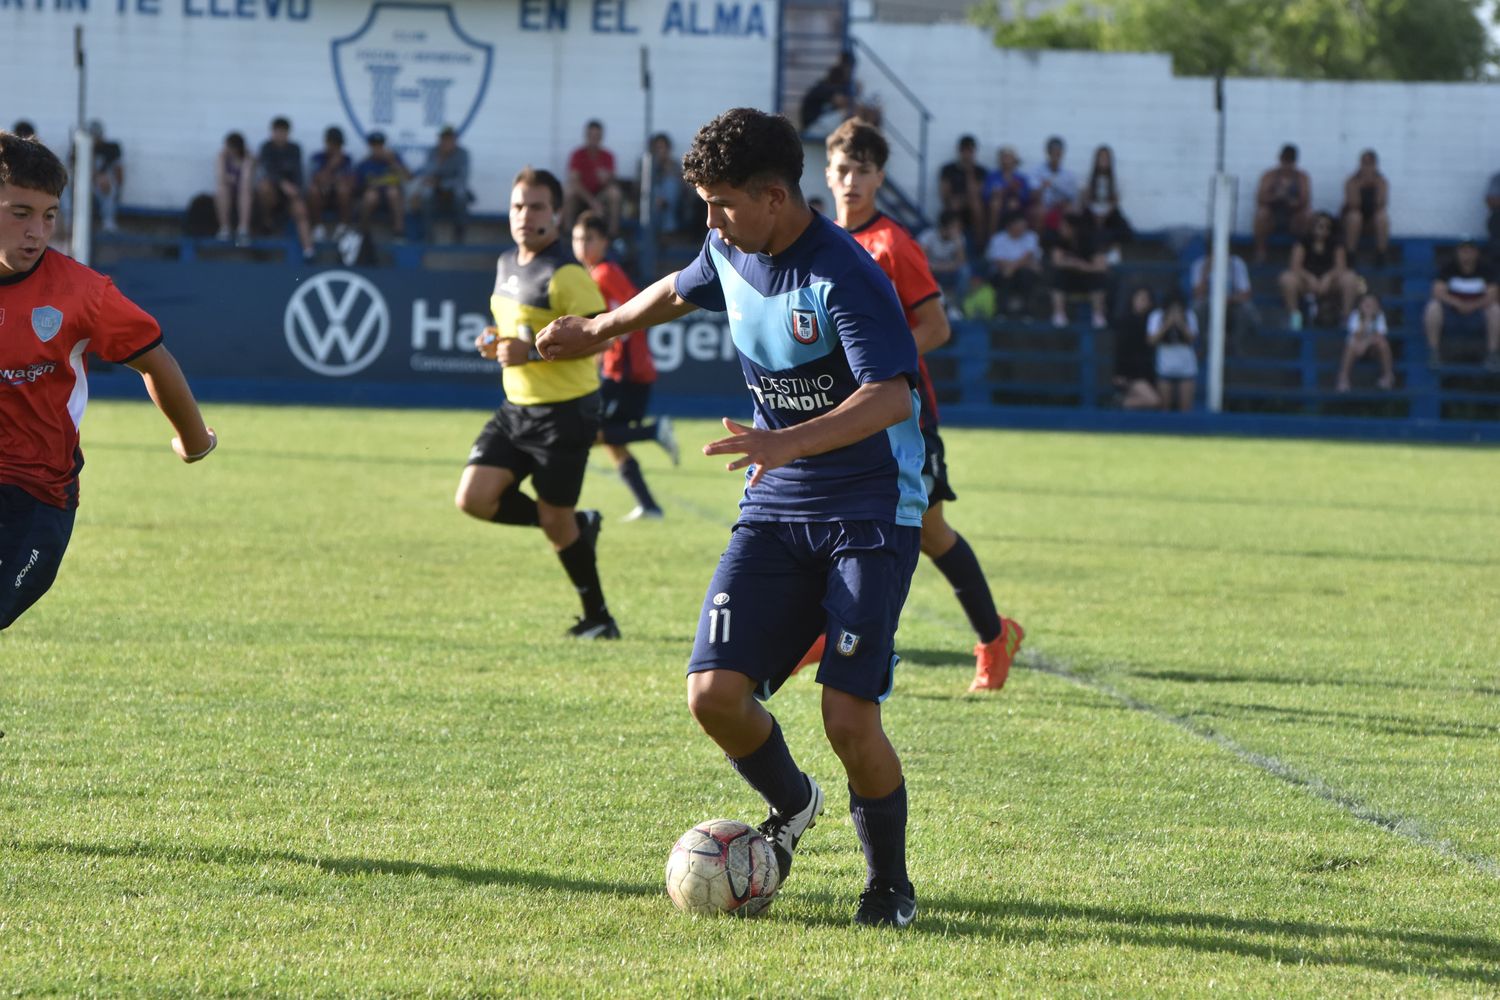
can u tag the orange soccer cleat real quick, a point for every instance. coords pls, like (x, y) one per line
(813, 655)
(992, 659)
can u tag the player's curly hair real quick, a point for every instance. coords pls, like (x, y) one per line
(27, 163)
(744, 147)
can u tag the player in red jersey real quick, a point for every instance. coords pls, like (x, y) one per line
(627, 369)
(52, 311)
(856, 169)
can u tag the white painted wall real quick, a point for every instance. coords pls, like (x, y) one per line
(170, 77)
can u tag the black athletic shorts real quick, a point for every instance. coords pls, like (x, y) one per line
(624, 403)
(33, 538)
(935, 471)
(550, 443)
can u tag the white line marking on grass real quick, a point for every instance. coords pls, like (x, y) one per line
(1400, 825)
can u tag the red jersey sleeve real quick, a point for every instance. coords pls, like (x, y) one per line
(910, 273)
(120, 330)
(627, 358)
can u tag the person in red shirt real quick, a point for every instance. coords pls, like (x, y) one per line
(53, 311)
(592, 184)
(627, 371)
(857, 153)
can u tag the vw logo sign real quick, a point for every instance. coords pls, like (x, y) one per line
(337, 323)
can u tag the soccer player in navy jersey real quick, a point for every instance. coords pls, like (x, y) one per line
(53, 312)
(830, 521)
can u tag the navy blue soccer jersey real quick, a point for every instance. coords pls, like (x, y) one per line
(812, 324)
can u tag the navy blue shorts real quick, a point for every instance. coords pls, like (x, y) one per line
(33, 537)
(779, 585)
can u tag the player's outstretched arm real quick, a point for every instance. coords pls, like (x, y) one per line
(870, 409)
(174, 398)
(577, 337)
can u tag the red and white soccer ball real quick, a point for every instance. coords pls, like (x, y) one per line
(722, 866)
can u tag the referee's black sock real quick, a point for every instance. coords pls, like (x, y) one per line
(578, 560)
(631, 473)
(961, 567)
(630, 433)
(516, 508)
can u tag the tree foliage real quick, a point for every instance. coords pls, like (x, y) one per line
(1307, 39)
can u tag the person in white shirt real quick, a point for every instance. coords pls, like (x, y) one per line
(1015, 258)
(1367, 333)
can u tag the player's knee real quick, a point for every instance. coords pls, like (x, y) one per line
(471, 503)
(714, 707)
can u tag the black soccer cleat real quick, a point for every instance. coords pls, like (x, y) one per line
(602, 627)
(590, 522)
(784, 831)
(885, 906)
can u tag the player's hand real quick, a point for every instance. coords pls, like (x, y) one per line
(566, 337)
(512, 351)
(486, 342)
(191, 457)
(763, 449)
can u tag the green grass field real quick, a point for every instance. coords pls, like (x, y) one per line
(290, 725)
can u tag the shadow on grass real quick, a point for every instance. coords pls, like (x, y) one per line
(334, 865)
(935, 657)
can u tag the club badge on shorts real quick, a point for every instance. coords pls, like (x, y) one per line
(804, 326)
(848, 643)
(45, 322)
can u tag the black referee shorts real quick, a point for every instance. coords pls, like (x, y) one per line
(549, 442)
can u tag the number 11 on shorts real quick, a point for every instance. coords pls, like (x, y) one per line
(718, 625)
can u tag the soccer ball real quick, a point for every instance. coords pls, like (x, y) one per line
(722, 866)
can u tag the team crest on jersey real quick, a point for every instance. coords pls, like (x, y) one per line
(45, 322)
(848, 643)
(804, 326)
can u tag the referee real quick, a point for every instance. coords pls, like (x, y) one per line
(550, 416)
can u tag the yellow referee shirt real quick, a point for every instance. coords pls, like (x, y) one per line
(529, 296)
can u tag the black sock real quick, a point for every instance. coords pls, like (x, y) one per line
(631, 473)
(771, 771)
(881, 827)
(516, 508)
(961, 567)
(630, 433)
(578, 560)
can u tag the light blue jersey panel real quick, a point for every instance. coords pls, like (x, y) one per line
(759, 322)
(910, 452)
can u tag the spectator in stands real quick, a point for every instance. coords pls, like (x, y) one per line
(946, 253)
(382, 177)
(1006, 191)
(1366, 194)
(1367, 332)
(442, 185)
(1464, 297)
(979, 302)
(1056, 187)
(1319, 267)
(961, 186)
(666, 186)
(1102, 196)
(280, 185)
(108, 176)
(1241, 318)
(234, 188)
(1014, 255)
(1172, 330)
(592, 184)
(1135, 357)
(332, 183)
(1282, 201)
(829, 101)
(1078, 265)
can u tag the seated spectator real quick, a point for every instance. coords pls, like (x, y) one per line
(234, 188)
(1319, 267)
(947, 255)
(1464, 297)
(442, 185)
(332, 182)
(667, 202)
(829, 101)
(280, 187)
(1172, 330)
(1241, 318)
(1055, 186)
(592, 185)
(1282, 201)
(1367, 333)
(1078, 266)
(382, 177)
(1366, 194)
(1007, 192)
(1102, 196)
(1014, 255)
(979, 301)
(960, 188)
(1135, 358)
(108, 176)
